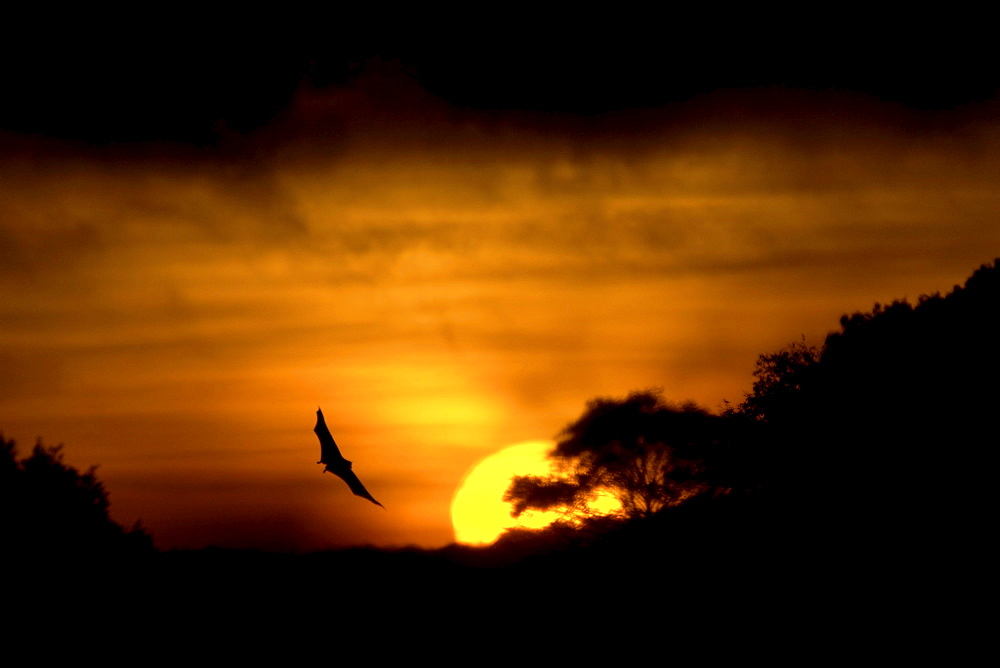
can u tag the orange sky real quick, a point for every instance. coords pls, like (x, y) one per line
(443, 282)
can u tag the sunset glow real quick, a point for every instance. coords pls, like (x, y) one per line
(444, 282)
(478, 511)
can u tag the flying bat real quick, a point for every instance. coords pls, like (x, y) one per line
(329, 454)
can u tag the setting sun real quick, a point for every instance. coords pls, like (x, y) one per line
(181, 285)
(478, 511)
(619, 331)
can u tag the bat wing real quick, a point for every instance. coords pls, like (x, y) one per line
(352, 481)
(329, 453)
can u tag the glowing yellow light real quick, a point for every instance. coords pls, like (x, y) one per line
(478, 512)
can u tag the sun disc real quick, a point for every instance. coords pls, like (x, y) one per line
(478, 512)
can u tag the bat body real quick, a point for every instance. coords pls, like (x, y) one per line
(329, 454)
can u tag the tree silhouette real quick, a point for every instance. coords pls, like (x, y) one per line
(48, 507)
(879, 439)
(885, 432)
(646, 453)
(778, 381)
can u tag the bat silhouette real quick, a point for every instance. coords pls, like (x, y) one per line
(329, 454)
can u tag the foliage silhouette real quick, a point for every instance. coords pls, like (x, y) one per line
(646, 453)
(884, 432)
(49, 508)
(778, 381)
(873, 444)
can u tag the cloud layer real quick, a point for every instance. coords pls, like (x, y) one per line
(445, 282)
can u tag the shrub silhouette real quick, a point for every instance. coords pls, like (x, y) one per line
(49, 508)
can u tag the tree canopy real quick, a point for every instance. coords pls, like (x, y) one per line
(881, 432)
(645, 452)
(882, 429)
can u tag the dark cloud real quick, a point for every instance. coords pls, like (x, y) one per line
(199, 80)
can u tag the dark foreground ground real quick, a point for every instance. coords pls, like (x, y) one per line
(744, 596)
